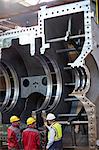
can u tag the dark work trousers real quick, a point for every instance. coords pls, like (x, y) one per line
(57, 145)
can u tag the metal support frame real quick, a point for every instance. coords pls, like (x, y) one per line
(90, 110)
(29, 34)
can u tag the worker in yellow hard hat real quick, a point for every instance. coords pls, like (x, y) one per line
(31, 136)
(14, 134)
(54, 133)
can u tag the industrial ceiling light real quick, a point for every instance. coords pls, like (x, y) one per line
(32, 2)
(6, 0)
(28, 3)
(46, 1)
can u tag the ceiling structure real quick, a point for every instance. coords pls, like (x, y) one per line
(16, 7)
(13, 13)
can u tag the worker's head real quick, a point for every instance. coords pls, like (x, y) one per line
(15, 120)
(31, 121)
(50, 118)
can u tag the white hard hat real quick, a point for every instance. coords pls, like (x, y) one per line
(50, 116)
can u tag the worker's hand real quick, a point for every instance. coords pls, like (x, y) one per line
(76, 128)
(46, 148)
(45, 123)
(67, 122)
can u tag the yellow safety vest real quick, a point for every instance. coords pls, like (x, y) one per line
(58, 131)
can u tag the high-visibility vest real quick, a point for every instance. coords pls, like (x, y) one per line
(58, 131)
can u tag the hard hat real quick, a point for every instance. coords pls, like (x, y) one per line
(14, 119)
(30, 120)
(50, 116)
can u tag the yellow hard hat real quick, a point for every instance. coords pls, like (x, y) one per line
(14, 119)
(30, 120)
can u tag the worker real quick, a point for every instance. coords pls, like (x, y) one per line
(14, 134)
(42, 130)
(54, 133)
(31, 136)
